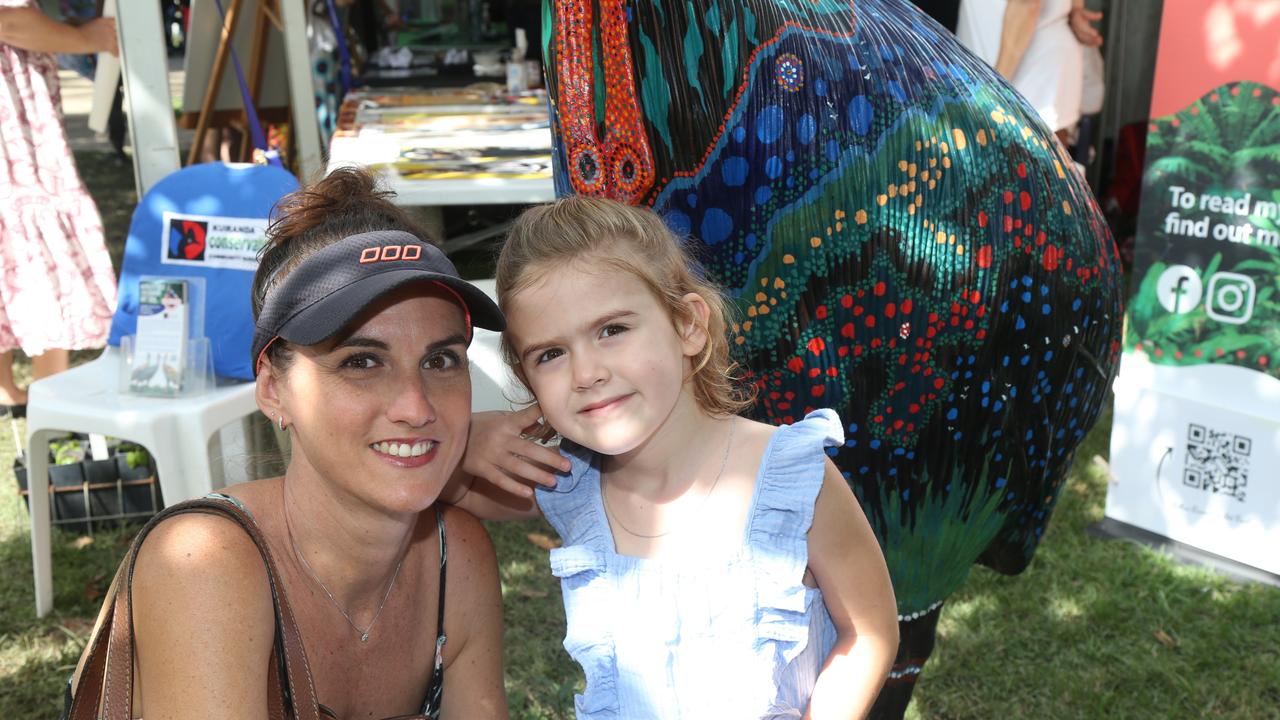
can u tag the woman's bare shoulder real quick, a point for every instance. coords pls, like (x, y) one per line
(200, 561)
(203, 618)
(468, 541)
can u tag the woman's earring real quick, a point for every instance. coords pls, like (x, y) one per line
(280, 422)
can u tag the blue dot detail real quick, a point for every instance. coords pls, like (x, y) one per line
(773, 167)
(860, 114)
(734, 171)
(763, 193)
(769, 123)
(739, 133)
(806, 129)
(716, 226)
(679, 223)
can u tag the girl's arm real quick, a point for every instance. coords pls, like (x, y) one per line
(203, 621)
(1020, 17)
(847, 562)
(29, 29)
(493, 481)
(473, 677)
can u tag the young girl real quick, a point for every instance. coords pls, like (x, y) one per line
(712, 566)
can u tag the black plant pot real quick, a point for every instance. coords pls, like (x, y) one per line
(94, 494)
(70, 498)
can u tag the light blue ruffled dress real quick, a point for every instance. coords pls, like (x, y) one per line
(703, 635)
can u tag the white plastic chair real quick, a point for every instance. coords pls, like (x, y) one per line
(85, 399)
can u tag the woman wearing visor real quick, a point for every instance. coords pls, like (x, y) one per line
(361, 342)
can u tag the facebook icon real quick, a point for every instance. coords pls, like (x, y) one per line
(1179, 289)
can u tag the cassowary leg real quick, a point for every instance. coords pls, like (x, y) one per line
(915, 645)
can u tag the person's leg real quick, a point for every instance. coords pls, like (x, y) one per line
(9, 392)
(51, 362)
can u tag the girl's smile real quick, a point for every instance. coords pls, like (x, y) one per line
(603, 407)
(603, 356)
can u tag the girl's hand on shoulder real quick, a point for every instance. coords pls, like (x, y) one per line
(502, 463)
(502, 451)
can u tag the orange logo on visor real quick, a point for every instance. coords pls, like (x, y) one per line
(388, 253)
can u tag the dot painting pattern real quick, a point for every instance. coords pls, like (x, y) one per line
(902, 238)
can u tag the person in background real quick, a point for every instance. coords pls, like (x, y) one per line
(947, 12)
(1037, 46)
(57, 285)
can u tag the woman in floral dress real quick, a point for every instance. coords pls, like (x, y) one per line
(57, 286)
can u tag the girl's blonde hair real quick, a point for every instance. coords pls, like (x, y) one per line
(636, 241)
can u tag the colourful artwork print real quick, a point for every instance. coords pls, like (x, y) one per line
(904, 240)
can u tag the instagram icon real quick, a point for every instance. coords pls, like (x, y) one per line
(1230, 297)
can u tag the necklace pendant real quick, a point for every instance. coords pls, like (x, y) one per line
(364, 637)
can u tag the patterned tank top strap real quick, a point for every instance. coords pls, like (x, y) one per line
(435, 689)
(233, 500)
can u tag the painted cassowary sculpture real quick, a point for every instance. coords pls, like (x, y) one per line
(906, 242)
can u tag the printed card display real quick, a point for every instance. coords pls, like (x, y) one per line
(1195, 442)
(215, 242)
(161, 342)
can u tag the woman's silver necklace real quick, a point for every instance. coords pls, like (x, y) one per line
(364, 633)
(723, 463)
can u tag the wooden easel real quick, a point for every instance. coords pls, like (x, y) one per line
(268, 12)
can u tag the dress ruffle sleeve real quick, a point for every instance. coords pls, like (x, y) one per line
(582, 566)
(779, 533)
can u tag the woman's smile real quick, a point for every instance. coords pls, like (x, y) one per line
(406, 452)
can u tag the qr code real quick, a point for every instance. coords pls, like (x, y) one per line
(1217, 462)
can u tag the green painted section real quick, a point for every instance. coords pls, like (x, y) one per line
(729, 56)
(693, 52)
(655, 95)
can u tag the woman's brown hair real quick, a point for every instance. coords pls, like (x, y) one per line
(345, 202)
(638, 242)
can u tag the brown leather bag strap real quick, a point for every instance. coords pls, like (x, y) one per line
(106, 679)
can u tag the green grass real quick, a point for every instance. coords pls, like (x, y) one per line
(1093, 629)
